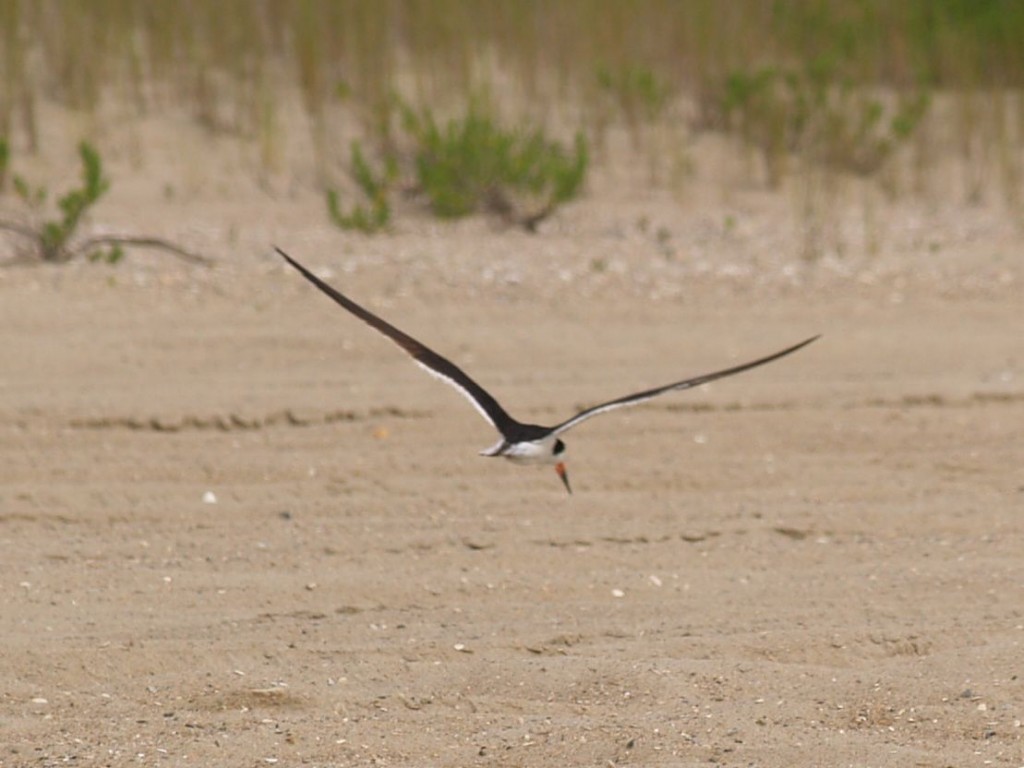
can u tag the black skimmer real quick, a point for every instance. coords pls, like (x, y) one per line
(521, 443)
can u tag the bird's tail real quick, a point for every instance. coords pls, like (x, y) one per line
(497, 449)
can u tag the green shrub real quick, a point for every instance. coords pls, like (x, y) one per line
(472, 163)
(52, 239)
(467, 165)
(52, 235)
(816, 114)
(74, 204)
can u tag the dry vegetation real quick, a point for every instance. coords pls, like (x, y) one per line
(816, 89)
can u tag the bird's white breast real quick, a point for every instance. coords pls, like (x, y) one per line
(538, 452)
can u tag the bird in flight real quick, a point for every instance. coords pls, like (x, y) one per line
(520, 443)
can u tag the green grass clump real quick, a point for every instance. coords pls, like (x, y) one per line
(52, 235)
(53, 239)
(815, 114)
(74, 204)
(465, 165)
(472, 163)
(638, 91)
(376, 187)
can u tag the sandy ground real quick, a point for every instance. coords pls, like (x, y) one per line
(237, 528)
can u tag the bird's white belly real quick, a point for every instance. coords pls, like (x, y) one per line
(532, 453)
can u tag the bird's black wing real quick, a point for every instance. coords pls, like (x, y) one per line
(425, 357)
(696, 381)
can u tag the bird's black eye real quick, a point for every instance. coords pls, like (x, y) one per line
(559, 447)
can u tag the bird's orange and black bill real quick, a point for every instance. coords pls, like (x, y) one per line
(564, 474)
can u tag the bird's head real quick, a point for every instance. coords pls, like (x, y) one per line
(563, 473)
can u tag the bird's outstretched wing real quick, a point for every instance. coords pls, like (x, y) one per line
(433, 363)
(696, 381)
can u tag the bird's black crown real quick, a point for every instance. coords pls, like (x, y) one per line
(559, 447)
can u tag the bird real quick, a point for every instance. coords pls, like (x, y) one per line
(520, 442)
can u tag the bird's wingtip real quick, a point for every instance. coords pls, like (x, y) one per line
(295, 264)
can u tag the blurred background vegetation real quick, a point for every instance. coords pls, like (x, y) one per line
(835, 86)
